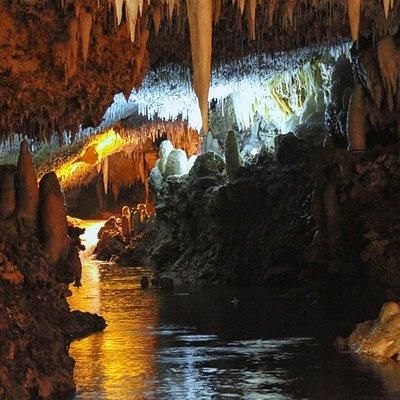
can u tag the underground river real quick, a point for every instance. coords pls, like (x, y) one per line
(201, 343)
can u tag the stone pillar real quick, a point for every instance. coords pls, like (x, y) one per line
(27, 193)
(53, 218)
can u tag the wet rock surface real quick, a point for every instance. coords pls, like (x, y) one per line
(379, 339)
(127, 240)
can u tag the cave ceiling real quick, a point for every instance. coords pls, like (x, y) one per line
(62, 62)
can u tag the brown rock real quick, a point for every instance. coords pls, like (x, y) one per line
(7, 192)
(27, 193)
(53, 218)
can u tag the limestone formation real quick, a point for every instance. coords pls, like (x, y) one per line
(156, 178)
(53, 218)
(27, 192)
(176, 163)
(7, 192)
(380, 338)
(356, 122)
(232, 156)
(165, 149)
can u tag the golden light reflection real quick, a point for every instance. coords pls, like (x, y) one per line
(124, 354)
(98, 148)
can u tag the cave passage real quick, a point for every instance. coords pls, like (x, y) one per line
(199, 199)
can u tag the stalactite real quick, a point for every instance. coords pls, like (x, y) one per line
(241, 4)
(387, 6)
(387, 57)
(156, 12)
(85, 27)
(105, 175)
(77, 6)
(270, 12)
(354, 10)
(251, 17)
(144, 37)
(131, 8)
(71, 58)
(200, 25)
(216, 11)
(356, 123)
(118, 10)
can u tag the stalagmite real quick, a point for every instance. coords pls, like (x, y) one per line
(27, 192)
(232, 156)
(387, 56)
(356, 123)
(126, 220)
(354, 10)
(165, 149)
(7, 192)
(200, 25)
(176, 163)
(53, 217)
(85, 26)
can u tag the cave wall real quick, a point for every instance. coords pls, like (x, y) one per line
(38, 260)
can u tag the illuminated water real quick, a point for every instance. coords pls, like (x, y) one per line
(198, 344)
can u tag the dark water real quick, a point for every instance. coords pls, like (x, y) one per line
(198, 344)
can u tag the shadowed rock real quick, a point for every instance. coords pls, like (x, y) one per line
(53, 218)
(27, 193)
(7, 192)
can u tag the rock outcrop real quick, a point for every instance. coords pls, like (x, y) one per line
(379, 339)
(36, 323)
(318, 220)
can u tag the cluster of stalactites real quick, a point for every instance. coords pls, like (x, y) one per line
(200, 15)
